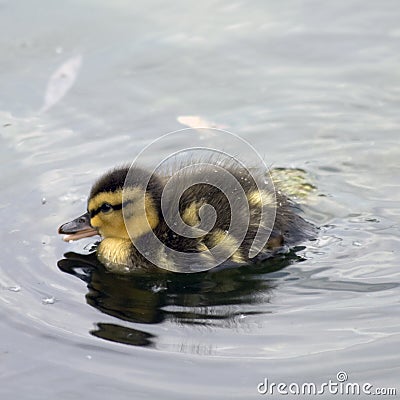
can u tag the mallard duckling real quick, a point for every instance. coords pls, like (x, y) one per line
(129, 214)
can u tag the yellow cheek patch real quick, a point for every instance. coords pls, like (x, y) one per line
(137, 218)
(110, 225)
(96, 221)
(260, 198)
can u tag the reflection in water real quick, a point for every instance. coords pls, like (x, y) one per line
(151, 298)
(122, 334)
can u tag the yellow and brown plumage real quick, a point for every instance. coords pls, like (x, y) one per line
(117, 205)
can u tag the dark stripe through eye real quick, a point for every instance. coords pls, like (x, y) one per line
(105, 207)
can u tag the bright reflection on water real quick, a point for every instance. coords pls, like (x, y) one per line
(86, 85)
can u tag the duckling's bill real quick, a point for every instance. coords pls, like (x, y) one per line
(77, 229)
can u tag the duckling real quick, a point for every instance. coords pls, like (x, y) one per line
(126, 208)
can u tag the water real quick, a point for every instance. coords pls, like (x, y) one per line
(311, 85)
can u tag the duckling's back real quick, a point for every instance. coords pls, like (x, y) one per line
(210, 205)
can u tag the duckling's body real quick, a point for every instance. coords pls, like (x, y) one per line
(127, 207)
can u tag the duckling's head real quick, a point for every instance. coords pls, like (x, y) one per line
(116, 205)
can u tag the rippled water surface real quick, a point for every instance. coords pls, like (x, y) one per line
(86, 85)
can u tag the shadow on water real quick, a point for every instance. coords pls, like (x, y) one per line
(151, 298)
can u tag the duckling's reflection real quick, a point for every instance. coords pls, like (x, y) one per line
(150, 298)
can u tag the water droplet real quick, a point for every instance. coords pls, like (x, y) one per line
(14, 288)
(355, 243)
(89, 357)
(44, 201)
(157, 288)
(49, 300)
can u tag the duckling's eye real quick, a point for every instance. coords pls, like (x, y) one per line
(106, 208)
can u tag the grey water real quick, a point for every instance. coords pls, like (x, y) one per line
(313, 86)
